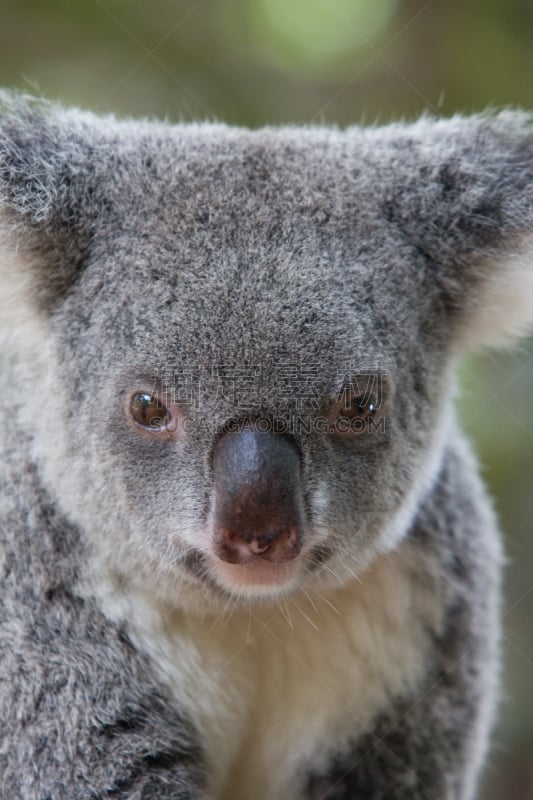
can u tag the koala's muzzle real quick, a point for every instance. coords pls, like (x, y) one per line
(258, 511)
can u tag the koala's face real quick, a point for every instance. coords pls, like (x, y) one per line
(247, 377)
(331, 419)
(249, 400)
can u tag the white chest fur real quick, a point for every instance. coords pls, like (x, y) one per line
(273, 689)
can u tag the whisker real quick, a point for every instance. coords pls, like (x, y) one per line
(310, 621)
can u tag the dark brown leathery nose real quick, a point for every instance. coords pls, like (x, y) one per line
(258, 510)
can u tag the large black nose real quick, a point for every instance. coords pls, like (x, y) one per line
(258, 510)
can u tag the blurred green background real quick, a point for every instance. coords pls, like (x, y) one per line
(274, 61)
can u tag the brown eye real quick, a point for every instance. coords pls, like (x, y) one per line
(149, 412)
(354, 415)
(358, 408)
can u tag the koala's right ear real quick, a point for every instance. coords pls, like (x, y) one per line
(461, 191)
(47, 178)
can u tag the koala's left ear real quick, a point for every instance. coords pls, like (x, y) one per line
(48, 181)
(464, 198)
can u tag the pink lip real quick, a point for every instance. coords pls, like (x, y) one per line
(259, 573)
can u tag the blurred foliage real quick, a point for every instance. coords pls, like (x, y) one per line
(343, 61)
(257, 61)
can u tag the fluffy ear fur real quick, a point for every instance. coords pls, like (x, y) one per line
(503, 308)
(47, 182)
(462, 191)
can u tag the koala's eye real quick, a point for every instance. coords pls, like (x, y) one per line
(359, 407)
(148, 411)
(354, 415)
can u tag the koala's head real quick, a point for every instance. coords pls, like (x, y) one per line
(237, 345)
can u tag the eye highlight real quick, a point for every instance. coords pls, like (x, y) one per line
(149, 412)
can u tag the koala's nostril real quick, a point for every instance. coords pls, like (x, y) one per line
(276, 548)
(257, 548)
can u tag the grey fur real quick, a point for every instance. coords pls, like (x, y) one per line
(151, 250)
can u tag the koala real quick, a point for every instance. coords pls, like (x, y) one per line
(245, 551)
